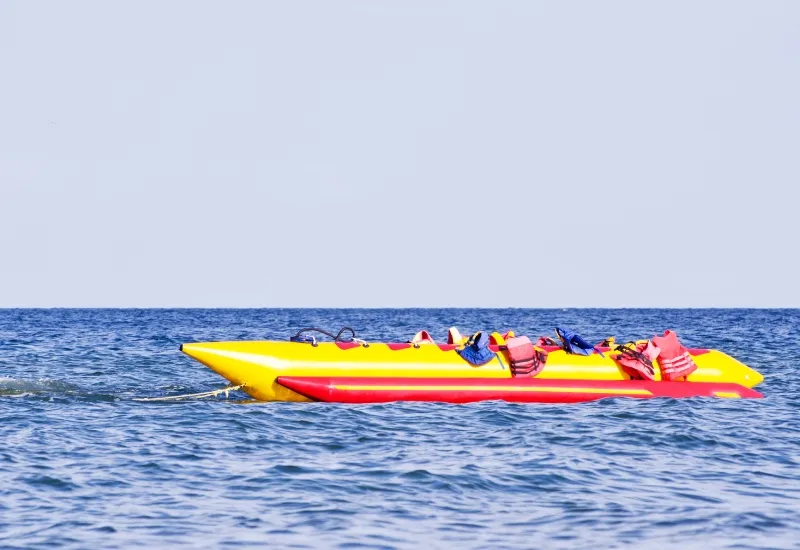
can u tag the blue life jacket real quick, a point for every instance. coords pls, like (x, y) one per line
(573, 343)
(476, 351)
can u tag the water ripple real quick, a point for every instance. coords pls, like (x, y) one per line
(83, 465)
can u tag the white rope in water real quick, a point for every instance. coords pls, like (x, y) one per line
(212, 393)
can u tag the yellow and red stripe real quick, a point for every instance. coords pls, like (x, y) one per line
(466, 390)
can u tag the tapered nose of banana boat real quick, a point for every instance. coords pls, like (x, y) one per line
(752, 377)
(215, 359)
(246, 364)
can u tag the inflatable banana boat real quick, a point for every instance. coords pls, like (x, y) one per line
(355, 371)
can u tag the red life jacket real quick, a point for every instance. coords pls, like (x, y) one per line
(525, 361)
(637, 360)
(675, 360)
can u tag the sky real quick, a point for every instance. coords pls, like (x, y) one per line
(399, 154)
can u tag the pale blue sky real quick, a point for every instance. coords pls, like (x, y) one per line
(414, 153)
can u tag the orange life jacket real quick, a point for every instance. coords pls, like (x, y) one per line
(675, 360)
(636, 360)
(525, 360)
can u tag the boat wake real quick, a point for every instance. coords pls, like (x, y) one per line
(53, 389)
(48, 389)
(18, 387)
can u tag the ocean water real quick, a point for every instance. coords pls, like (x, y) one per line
(84, 465)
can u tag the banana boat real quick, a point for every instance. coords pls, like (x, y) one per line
(355, 371)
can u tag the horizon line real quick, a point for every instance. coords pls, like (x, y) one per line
(7, 308)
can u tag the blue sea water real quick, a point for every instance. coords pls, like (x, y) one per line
(84, 465)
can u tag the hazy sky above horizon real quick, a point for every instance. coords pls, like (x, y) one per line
(415, 153)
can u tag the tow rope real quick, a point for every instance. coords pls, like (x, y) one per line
(212, 393)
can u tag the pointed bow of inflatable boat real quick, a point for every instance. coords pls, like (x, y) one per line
(246, 364)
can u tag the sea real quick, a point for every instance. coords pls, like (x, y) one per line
(84, 464)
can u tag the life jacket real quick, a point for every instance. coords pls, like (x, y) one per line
(572, 343)
(674, 359)
(636, 359)
(525, 361)
(476, 350)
